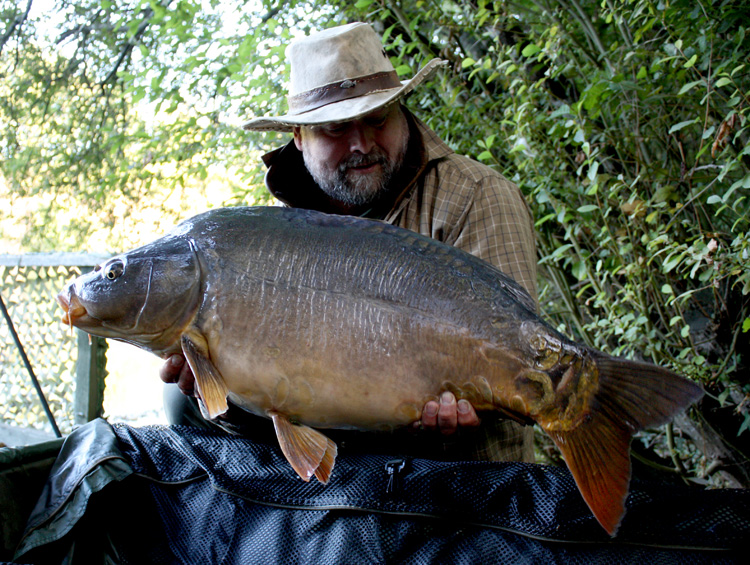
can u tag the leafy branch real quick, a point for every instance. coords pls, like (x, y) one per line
(17, 22)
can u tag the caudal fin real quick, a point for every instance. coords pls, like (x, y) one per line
(631, 396)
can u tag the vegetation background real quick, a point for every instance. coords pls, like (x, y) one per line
(625, 123)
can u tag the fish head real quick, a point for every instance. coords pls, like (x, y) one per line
(146, 296)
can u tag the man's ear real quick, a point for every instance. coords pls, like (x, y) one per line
(298, 137)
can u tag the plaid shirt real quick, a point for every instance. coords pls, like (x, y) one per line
(461, 202)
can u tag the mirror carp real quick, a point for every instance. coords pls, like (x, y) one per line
(319, 321)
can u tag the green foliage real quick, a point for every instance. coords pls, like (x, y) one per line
(124, 105)
(625, 122)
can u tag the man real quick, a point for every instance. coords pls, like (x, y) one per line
(357, 150)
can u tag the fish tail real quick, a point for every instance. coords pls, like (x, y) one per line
(632, 396)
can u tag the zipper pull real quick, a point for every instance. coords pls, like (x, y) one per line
(393, 468)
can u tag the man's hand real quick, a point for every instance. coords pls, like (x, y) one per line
(176, 370)
(448, 415)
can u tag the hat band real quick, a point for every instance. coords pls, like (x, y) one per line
(337, 91)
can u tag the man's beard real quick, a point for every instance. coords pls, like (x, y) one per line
(357, 189)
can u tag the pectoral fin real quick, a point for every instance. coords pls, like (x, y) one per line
(211, 386)
(308, 451)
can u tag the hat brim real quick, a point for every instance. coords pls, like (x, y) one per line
(345, 110)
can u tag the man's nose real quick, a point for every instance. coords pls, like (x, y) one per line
(361, 138)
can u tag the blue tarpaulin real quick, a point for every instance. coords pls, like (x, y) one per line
(187, 495)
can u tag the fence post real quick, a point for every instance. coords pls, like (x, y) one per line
(90, 373)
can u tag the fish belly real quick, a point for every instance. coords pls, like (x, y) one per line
(337, 361)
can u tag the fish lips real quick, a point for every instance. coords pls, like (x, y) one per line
(74, 312)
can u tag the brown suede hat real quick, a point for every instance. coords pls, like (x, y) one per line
(337, 75)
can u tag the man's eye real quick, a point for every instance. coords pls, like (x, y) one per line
(336, 129)
(376, 122)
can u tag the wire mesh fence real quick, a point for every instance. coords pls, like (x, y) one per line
(29, 285)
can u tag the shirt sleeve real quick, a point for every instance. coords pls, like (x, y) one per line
(497, 226)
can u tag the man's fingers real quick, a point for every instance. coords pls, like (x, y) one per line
(186, 382)
(175, 370)
(429, 415)
(171, 368)
(467, 416)
(447, 417)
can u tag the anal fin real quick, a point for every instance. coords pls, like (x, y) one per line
(211, 386)
(308, 451)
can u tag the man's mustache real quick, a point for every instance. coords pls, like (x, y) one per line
(362, 160)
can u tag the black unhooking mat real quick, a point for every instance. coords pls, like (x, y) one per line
(183, 495)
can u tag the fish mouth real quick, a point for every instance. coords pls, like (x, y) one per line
(73, 310)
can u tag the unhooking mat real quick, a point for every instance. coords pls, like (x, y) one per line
(118, 494)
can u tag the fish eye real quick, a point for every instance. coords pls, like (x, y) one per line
(113, 270)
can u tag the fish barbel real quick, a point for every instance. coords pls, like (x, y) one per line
(320, 321)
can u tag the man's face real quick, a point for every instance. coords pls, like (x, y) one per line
(354, 162)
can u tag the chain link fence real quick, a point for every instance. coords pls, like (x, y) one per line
(29, 285)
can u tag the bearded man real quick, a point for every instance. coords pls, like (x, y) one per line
(357, 150)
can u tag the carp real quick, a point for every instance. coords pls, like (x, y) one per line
(319, 321)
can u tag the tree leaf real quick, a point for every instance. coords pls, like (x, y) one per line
(689, 86)
(691, 61)
(530, 50)
(681, 125)
(723, 81)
